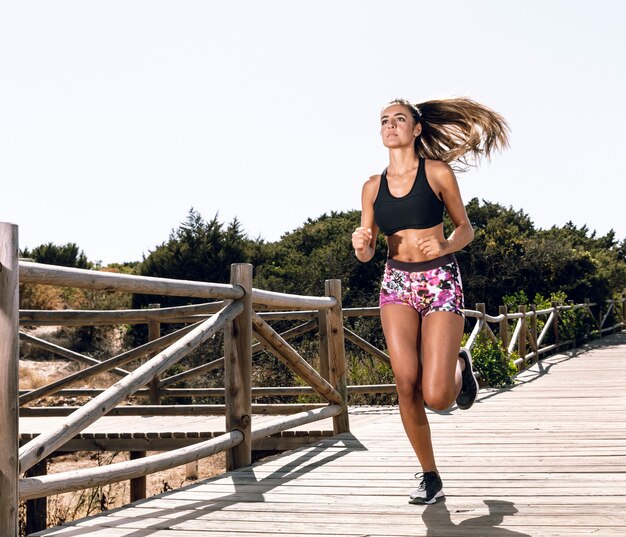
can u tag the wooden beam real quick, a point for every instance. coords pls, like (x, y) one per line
(288, 355)
(110, 317)
(50, 441)
(287, 422)
(154, 333)
(9, 360)
(322, 342)
(533, 331)
(110, 281)
(521, 337)
(37, 508)
(138, 485)
(170, 410)
(103, 366)
(366, 346)
(257, 347)
(238, 370)
(504, 327)
(58, 483)
(546, 327)
(283, 300)
(337, 355)
(67, 353)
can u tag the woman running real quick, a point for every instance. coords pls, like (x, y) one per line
(421, 297)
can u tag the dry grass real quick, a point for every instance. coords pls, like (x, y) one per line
(71, 506)
(35, 374)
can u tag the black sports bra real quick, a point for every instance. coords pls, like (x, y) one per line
(419, 209)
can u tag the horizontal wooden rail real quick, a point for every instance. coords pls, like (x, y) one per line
(37, 487)
(46, 443)
(288, 422)
(109, 317)
(47, 485)
(306, 315)
(110, 281)
(258, 391)
(283, 300)
(169, 410)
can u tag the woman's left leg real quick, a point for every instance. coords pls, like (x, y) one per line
(441, 366)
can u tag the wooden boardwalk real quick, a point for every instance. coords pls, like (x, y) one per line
(546, 458)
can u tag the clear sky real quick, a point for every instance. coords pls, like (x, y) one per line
(117, 117)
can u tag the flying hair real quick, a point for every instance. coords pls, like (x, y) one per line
(459, 131)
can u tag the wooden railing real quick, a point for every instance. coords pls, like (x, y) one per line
(242, 314)
(232, 313)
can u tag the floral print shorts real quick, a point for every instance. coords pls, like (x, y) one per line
(426, 286)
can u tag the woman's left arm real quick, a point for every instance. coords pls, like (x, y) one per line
(463, 232)
(443, 182)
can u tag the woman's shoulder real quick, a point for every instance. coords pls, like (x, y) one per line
(438, 170)
(372, 182)
(437, 166)
(371, 186)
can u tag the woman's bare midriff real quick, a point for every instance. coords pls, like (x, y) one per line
(403, 245)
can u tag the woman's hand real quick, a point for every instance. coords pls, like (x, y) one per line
(361, 239)
(362, 243)
(432, 246)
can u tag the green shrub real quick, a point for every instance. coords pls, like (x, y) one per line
(491, 361)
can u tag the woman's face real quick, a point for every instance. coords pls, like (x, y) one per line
(397, 126)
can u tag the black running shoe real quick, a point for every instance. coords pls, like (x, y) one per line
(429, 490)
(469, 387)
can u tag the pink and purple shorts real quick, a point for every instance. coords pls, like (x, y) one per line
(426, 286)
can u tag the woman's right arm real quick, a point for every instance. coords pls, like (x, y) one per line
(364, 237)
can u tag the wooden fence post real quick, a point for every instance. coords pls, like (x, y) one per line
(521, 340)
(555, 324)
(624, 309)
(322, 323)
(533, 332)
(9, 373)
(480, 307)
(504, 327)
(337, 354)
(37, 508)
(596, 322)
(600, 314)
(238, 371)
(139, 485)
(154, 333)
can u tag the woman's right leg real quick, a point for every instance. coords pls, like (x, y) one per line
(402, 329)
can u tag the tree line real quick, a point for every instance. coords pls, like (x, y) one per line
(509, 262)
(509, 256)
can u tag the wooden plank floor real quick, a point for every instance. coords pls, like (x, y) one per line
(546, 458)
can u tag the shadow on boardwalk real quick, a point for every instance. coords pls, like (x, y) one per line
(439, 523)
(243, 481)
(551, 454)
